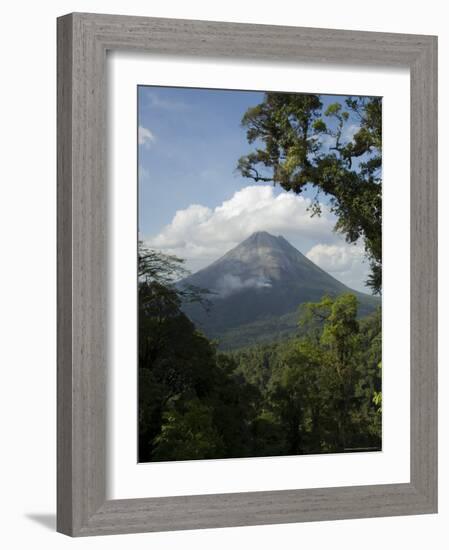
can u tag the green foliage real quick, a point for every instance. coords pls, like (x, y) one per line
(290, 132)
(316, 392)
(183, 380)
(161, 271)
(188, 434)
(321, 389)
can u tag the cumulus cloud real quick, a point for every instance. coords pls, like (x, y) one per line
(146, 136)
(202, 234)
(345, 262)
(253, 208)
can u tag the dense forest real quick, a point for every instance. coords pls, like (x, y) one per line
(316, 392)
(316, 389)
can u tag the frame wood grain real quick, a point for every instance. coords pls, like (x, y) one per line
(83, 40)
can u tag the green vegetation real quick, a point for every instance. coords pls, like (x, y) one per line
(268, 313)
(315, 387)
(315, 392)
(299, 144)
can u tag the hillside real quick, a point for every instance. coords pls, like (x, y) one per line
(257, 288)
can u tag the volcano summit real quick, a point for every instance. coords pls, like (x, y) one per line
(256, 289)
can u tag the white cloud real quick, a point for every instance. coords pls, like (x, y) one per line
(347, 135)
(198, 229)
(146, 136)
(345, 262)
(228, 284)
(349, 132)
(202, 234)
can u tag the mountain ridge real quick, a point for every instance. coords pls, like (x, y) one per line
(261, 282)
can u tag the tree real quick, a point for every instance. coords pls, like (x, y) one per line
(340, 337)
(338, 345)
(192, 403)
(162, 271)
(294, 397)
(188, 434)
(317, 392)
(368, 390)
(173, 357)
(298, 145)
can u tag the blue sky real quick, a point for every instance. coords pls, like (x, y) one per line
(198, 140)
(193, 203)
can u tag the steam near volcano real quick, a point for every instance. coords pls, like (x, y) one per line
(229, 284)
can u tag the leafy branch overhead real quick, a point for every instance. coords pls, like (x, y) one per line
(298, 143)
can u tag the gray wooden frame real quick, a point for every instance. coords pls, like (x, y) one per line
(83, 40)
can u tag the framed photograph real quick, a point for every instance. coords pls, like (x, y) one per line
(247, 274)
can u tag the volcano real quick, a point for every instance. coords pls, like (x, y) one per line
(256, 289)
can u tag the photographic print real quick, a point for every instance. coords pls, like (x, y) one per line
(259, 273)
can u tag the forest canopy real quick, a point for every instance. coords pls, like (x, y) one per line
(312, 393)
(264, 350)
